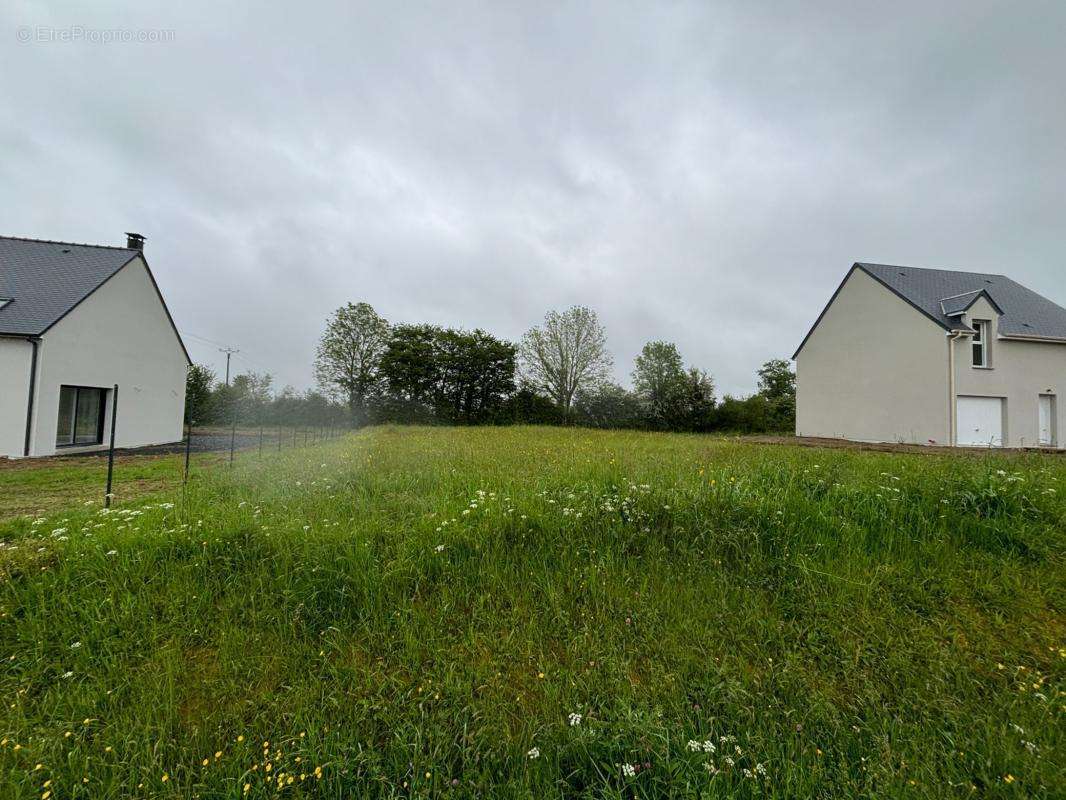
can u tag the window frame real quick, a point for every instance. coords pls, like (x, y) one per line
(101, 416)
(981, 342)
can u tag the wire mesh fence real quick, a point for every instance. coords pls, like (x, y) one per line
(215, 446)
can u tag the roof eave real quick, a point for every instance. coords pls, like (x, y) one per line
(1032, 337)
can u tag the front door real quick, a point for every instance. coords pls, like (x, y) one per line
(1047, 404)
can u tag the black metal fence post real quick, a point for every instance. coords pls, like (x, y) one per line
(111, 447)
(188, 448)
(260, 438)
(279, 438)
(233, 434)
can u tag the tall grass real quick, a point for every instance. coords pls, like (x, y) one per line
(536, 612)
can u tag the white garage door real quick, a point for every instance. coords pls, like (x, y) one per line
(980, 421)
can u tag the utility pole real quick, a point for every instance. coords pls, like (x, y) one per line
(229, 351)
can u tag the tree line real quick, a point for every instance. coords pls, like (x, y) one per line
(370, 371)
(250, 399)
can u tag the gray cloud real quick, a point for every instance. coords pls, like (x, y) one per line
(703, 173)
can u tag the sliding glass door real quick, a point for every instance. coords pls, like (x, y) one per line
(81, 415)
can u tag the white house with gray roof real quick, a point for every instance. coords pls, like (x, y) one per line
(77, 321)
(933, 356)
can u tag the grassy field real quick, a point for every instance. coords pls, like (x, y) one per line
(533, 612)
(32, 487)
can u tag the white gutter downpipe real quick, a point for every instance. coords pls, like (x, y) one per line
(953, 416)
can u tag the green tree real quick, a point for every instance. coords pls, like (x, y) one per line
(567, 354)
(347, 364)
(609, 406)
(777, 384)
(527, 406)
(777, 381)
(199, 382)
(475, 373)
(743, 414)
(285, 409)
(409, 371)
(252, 391)
(659, 382)
(446, 374)
(697, 401)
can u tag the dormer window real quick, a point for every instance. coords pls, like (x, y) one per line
(980, 342)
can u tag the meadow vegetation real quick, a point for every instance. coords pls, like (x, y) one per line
(544, 612)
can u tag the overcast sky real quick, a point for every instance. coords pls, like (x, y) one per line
(699, 172)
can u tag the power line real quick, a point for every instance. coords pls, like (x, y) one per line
(241, 356)
(202, 338)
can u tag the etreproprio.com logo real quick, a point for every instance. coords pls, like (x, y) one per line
(46, 34)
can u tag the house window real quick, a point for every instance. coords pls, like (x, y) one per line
(81, 416)
(980, 343)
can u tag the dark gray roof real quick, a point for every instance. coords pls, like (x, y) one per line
(942, 294)
(1023, 311)
(44, 280)
(953, 306)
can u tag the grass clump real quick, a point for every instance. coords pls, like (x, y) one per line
(528, 612)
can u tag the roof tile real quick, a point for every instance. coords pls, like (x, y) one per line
(44, 280)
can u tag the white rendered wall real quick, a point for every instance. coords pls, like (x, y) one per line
(874, 369)
(119, 334)
(14, 388)
(1019, 372)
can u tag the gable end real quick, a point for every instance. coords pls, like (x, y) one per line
(158, 294)
(858, 266)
